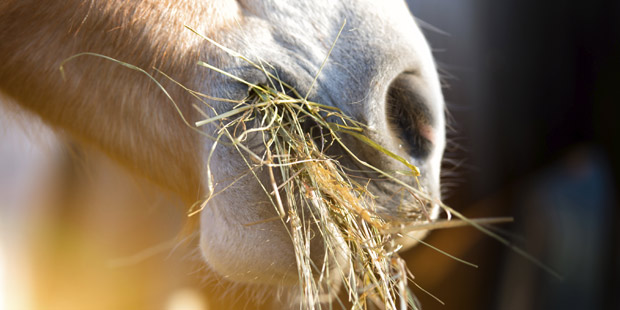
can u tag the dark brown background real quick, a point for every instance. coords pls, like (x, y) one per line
(533, 91)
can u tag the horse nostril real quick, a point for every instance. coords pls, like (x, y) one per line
(409, 115)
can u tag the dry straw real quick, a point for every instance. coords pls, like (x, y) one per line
(316, 196)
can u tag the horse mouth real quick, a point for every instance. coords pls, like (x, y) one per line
(322, 172)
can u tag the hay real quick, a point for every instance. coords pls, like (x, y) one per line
(316, 192)
(311, 190)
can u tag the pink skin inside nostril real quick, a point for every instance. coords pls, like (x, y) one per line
(427, 132)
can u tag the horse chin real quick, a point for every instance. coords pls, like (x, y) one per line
(255, 247)
(239, 250)
(250, 243)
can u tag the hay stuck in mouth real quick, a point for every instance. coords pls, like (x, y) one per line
(316, 192)
(315, 196)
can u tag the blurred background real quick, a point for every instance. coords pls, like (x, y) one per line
(533, 95)
(533, 91)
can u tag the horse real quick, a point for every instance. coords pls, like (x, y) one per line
(380, 72)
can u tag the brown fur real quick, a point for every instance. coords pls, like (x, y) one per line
(102, 103)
